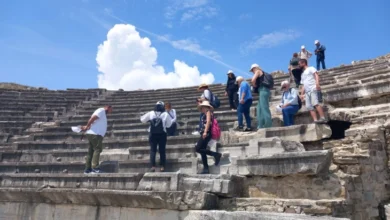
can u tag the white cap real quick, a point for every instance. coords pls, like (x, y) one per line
(253, 66)
(230, 71)
(239, 78)
(316, 41)
(160, 103)
(303, 47)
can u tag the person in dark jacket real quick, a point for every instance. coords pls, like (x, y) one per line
(320, 52)
(231, 90)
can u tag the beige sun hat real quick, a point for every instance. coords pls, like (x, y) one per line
(203, 85)
(205, 104)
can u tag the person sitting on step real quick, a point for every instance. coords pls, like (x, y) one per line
(159, 122)
(171, 131)
(289, 104)
(96, 129)
(205, 130)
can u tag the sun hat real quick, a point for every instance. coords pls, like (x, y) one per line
(230, 72)
(253, 66)
(203, 85)
(303, 47)
(316, 41)
(285, 82)
(205, 104)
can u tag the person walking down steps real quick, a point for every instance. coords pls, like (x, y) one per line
(95, 129)
(159, 122)
(205, 132)
(231, 90)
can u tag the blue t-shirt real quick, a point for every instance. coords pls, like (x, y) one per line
(245, 88)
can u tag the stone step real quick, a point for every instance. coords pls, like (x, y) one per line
(224, 185)
(42, 113)
(109, 144)
(357, 112)
(188, 166)
(24, 118)
(10, 113)
(172, 200)
(282, 164)
(375, 88)
(329, 207)
(132, 153)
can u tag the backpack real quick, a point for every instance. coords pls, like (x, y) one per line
(214, 101)
(156, 125)
(215, 130)
(265, 80)
(294, 61)
(299, 99)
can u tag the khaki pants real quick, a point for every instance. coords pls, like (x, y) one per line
(95, 148)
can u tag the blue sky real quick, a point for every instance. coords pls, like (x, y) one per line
(54, 44)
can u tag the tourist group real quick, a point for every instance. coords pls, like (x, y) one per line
(163, 118)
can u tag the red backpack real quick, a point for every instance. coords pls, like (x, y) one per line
(215, 130)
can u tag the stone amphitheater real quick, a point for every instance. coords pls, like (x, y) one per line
(306, 171)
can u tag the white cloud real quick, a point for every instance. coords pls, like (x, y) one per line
(270, 40)
(199, 13)
(179, 5)
(128, 61)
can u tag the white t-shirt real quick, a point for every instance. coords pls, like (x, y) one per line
(166, 119)
(304, 55)
(172, 115)
(308, 79)
(206, 95)
(99, 126)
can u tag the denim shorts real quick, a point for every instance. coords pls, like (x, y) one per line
(313, 99)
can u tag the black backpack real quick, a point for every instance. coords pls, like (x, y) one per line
(214, 101)
(299, 99)
(294, 61)
(156, 125)
(265, 80)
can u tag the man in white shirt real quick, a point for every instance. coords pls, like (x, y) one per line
(159, 122)
(311, 90)
(96, 129)
(304, 54)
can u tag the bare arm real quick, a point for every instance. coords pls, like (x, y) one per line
(258, 73)
(317, 77)
(90, 122)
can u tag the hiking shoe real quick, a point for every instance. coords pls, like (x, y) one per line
(96, 171)
(239, 128)
(321, 121)
(205, 171)
(152, 170)
(248, 129)
(217, 159)
(87, 171)
(195, 133)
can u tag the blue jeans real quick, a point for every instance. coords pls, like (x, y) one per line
(289, 113)
(243, 109)
(322, 61)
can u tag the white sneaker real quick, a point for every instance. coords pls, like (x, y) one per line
(195, 133)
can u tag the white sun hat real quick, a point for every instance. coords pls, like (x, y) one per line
(254, 66)
(229, 72)
(316, 41)
(303, 47)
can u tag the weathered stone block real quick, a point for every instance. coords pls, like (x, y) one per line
(305, 163)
